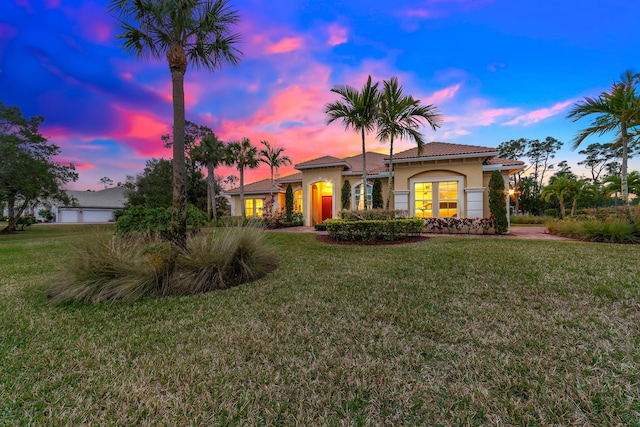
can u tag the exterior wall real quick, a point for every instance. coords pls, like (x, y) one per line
(356, 180)
(467, 171)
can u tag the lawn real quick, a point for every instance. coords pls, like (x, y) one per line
(450, 331)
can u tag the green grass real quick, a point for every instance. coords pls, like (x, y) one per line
(449, 331)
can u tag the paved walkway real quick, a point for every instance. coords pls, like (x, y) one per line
(531, 233)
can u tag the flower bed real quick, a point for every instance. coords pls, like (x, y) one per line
(459, 225)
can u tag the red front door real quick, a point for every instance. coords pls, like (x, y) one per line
(326, 207)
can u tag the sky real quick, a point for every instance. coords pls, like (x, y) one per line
(496, 69)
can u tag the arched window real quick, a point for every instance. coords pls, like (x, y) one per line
(358, 199)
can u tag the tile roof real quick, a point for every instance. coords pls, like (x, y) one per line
(503, 162)
(375, 163)
(291, 178)
(321, 161)
(437, 149)
(263, 186)
(108, 198)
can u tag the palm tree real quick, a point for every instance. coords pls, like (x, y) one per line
(210, 153)
(273, 157)
(616, 110)
(613, 183)
(559, 187)
(358, 111)
(400, 116)
(183, 31)
(243, 155)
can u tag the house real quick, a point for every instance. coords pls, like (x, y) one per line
(91, 206)
(444, 180)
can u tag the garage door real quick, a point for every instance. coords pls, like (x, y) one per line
(98, 215)
(68, 216)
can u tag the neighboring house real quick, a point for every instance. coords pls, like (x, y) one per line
(445, 180)
(91, 206)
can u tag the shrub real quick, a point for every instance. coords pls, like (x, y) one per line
(497, 204)
(372, 230)
(346, 194)
(530, 219)
(551, 212)
(607, 231)
(238, 221)
(114, 268)
(155, 221)
(372, 214)
(288, 203)
(459, 225)
(320, 227)
(376, 194)
(25, 221)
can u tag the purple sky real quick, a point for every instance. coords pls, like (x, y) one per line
(498, 70)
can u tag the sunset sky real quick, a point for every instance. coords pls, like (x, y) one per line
(497, 69)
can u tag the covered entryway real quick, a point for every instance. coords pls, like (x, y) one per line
(321, 201)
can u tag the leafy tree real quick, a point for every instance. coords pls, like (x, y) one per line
(497, 203)
(106, 181)
(529, 195)
(288, 203)
(211, 153)
(598, 157)
(28, 172)
(376, 194)
(183, 32)
(152, 187)
(540, 154)
(617, 110)
(244, 156)
(400, 116)
(346, 195)
(358, 111)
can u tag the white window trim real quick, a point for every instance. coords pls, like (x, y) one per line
(353, 194)
(459, 179)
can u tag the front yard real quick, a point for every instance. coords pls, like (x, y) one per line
(446, 331)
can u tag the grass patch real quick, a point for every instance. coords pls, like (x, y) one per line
(447, 331)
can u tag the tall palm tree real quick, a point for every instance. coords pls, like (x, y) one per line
(358, 111)
(183, 31)
(243, 155)
(400, 116)
(617, 110)
(273, 157)
(210, 153)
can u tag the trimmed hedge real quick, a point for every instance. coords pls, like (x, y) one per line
(372, 230)
(372, 214)
(460, 225)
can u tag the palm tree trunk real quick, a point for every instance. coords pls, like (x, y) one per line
(364, 172)
(562, 209)
(390, 171)
(178, 67)
(243, 211)
(211, 193)
(623, 174)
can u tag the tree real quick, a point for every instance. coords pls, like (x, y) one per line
(376, 194)
(497, 202)
(400, 116)
(540, 154)
(613, 183)
(106, 181)
(210, 153)
(273, 157)
(28, 173)
(243, 155)
(152, 187)
(561, 188)
(358, 111)
(183, 31)
(288, 203)
(346, 194)
(599, 156)
(617, 110)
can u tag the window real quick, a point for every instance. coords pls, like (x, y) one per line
(436, 199)
(253, 207)
(359, 200)
(297, 201)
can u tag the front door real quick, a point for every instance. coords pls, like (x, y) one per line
(327, 203)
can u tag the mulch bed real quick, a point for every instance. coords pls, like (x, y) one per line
(324, 238)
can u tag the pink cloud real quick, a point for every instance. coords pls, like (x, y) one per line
(540, 114)
(443, 95)
(337, 35)
(285, 45)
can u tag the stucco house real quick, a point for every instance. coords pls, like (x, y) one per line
(91, 206)
(445, 180)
